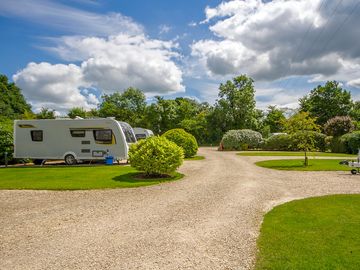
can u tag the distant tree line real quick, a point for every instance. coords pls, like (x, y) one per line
(234, 109)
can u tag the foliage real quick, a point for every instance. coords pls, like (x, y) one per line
(46, 113)
(313, 233)
(241, 139)
(129, 106)
(339, 125)
(308, 141)
(76, 178)
(350, 142)
(355, 111)
(235, 108)
(301, 121)
(6, 140)
(275, 119)
(337, 144)
(77, 111)
(280, 142)
(156, 156)
(326, 102)
(183, 139)
(12, 102)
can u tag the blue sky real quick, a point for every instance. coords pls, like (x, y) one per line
(68, 53)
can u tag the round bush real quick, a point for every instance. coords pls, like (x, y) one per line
(183, 139)
(319, 140)
(350, 142)
(338, 126)
(241, 139)
(156, 156)
(279, 142)
(6, 144)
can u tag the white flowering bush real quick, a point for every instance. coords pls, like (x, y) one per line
(241, 139)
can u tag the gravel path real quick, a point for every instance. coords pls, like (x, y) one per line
(208, 220)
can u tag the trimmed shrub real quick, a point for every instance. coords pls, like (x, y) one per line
(184, 140)
(241, 139)
(338, 126)
(156, 156)
(351, 142)
(337, 144)
(279, 142)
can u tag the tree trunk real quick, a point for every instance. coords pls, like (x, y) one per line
(306, 162)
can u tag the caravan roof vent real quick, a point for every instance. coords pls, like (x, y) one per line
(78, 117)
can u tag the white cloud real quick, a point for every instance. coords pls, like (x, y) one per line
(54, 86)
(69, 19)
(281, 38)
(108, 64)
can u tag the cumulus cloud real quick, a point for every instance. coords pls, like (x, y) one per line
(278, 39)
(55, 86)
(108, 64)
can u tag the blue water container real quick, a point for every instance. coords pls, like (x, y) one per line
(109, 160)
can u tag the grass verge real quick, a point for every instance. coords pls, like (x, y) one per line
(314, 233)
(195, 158)
(292, 153)
(298, 165)
(76, 178)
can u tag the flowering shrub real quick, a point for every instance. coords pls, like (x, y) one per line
(338, 126)
(241, 139)
(184, 140)
(156, 156)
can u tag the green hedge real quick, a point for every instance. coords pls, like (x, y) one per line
(286, 142)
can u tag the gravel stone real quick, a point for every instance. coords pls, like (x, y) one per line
(210, 219)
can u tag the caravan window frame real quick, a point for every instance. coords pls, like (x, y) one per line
(81, 133)
(102, 140)
(35, 137)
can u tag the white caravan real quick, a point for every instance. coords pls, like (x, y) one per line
(72, 139)
(142, 133)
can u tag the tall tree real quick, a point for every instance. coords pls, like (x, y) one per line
(274, 119)
(237, 100)
(12, 102)
(326, 102)
(129, 106)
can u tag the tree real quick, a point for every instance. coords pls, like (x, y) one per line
(274, 119)
(300, 127)
(77, 111)
(12, 102)
(237, 100)
(46, 113)
(129, 106)
(326, 102)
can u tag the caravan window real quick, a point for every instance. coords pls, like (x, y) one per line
(77, 133)
(103, 135)
(128, 132)
(37, 135)
(140, 136)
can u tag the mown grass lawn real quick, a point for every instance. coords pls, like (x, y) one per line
(75, 178)
(298, 165)
(314, 233)
(195, 158)
(292, 153)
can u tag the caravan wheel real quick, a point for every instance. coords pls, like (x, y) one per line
(70, 160)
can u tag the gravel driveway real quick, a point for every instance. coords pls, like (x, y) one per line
(208, 220)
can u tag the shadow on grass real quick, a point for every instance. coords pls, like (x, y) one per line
(134, 177)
